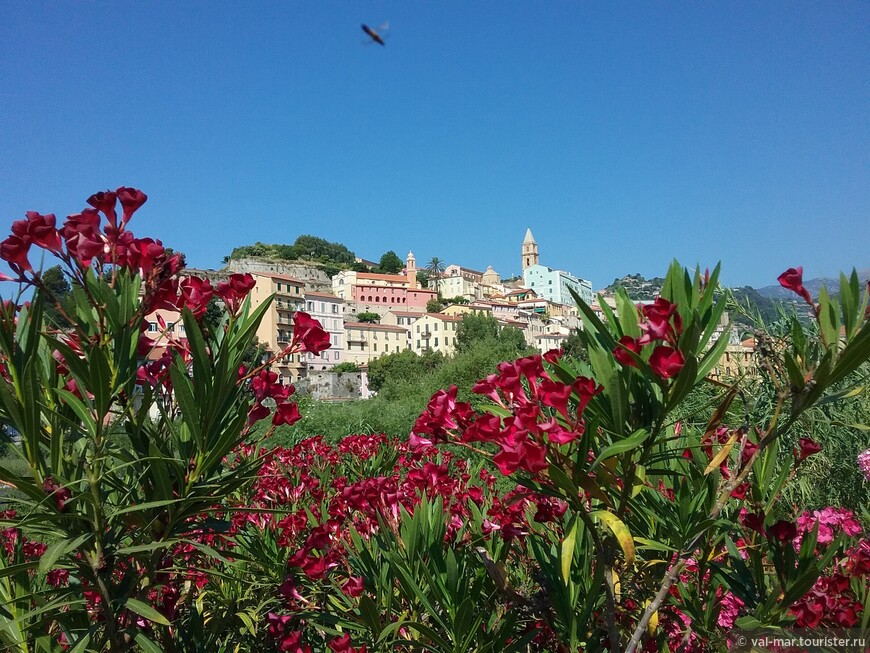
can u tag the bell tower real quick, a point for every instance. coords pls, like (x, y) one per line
(411, 270)
(530, 250)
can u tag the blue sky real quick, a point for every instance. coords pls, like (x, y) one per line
(623, 134)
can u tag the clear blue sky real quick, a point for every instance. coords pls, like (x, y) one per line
(623, 134)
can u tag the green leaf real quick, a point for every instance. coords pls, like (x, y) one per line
(146, 644)
(59, 549)
(630, 443)
(145, 610)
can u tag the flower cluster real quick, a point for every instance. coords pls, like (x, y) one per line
(542, 413)
(659, 322)
(864, 463)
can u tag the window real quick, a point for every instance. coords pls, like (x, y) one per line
(170, 327)
(336, 355)
(446, 341)
(418, 329)
(310, 306)
(375, 347)
(335, 309)
(152, 327)
(436, 341)
(436, 326)
(322, 307)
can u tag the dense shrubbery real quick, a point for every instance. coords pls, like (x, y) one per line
(614, 503)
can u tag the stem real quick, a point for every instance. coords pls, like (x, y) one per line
(685, 554)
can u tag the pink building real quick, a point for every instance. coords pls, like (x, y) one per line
(366, 294)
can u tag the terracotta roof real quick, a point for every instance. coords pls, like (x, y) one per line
(383, 277)
(405, 313)
(376, 327)
(327, 295)
(445, 318)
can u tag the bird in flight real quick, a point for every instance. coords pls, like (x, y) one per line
(373, 35)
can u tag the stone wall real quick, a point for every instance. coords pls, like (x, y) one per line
(314, 278)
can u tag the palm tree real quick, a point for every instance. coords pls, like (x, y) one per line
(435, 270)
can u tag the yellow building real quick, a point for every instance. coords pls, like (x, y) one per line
(466, 309)
(366, 341)
(276, 328)
(435, 332)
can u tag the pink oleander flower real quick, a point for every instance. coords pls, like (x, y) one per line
(864, 463)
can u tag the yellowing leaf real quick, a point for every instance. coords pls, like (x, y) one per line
(568, 550)
(620, 531)
(722, 455)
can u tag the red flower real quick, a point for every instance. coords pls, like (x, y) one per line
(666, 361)
(792, 279)
(286, 413)
(196, 293)
(353, 587)
(82, 235)
(60, 494)
(131, 200)
(14, 250)
(39, 230)
(105, 201)
(554, 355)
(234, 290)
(806, 447)
(621, 353)
(309, 333)
(752, 520)
(784, 531)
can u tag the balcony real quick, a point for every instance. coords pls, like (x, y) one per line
(426, 334)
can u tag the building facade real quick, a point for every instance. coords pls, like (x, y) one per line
(327, 309)
(435, 332)
(367, 341)
(276, 328)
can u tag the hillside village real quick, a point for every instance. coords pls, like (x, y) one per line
(399, 315)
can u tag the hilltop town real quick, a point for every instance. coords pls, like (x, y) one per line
(369, 314)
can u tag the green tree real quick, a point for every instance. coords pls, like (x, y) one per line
(404, 366)
(434, 306)
(368, 317)
(391, 263)
(435, 270)
(55, 282)
(422, 278)
(480, 328)
(347, 366)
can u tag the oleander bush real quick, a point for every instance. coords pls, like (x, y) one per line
(618, 502)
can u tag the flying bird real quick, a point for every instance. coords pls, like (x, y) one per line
(373, 34)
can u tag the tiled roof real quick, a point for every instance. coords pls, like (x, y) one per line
(374, 327)
(383, 277)
(327, 295)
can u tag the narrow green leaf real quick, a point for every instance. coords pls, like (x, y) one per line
(145, 610)
(630, 443)
(146, 644)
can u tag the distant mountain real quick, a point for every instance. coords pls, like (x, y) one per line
(813, 285)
